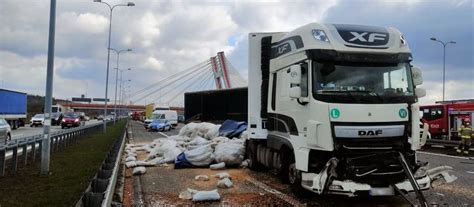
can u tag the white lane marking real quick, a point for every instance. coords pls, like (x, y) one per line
(163, 134)
(441, 155)
(470, 172)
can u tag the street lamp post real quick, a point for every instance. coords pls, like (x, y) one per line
(116, 77)
(121, 81)
(108, 52)
(45, 143)
(444, 58)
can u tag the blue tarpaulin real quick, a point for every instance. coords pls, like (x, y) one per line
(231, 128)
(181, 162)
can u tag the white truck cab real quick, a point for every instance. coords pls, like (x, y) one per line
(335, 108)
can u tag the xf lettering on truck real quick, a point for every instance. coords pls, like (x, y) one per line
(371, 38)
(370, 132)
(283, 48)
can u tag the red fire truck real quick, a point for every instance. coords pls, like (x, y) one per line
(138, 115)
(444, 119)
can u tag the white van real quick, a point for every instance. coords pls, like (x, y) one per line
(169, 115)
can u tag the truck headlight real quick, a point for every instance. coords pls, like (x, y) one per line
(320, 35)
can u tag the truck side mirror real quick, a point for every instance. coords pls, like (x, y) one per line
(417, 76)
(295, 81)
(420, 92)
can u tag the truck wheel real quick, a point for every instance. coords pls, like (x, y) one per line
(294, 177)
(285, 160)
(252, 156)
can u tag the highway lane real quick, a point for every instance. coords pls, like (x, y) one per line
(27, 131)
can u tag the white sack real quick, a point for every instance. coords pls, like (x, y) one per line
(198, 141)
(225, 183)
(163, 146)
(201, 178)
(139, 170)
(212, 195)
(171, 154)
(187, 129)
(130, 158)
(212, 132)
(217, 166)
(232, 152)
(202, 129)
(131, 164)
(244, 135)
(201, 156)
(144, 163)
(187, 194)
(222, 175)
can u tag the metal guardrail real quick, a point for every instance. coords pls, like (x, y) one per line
(30, 147)
(446, 143)
(101, 189)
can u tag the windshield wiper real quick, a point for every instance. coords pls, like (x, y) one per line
(348, 93)
(373, 94)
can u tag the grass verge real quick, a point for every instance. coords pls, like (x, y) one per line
(72, 170)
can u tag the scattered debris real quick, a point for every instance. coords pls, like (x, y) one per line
(131, 164)
(232, 152)
(212, 195)
(187, 194)
(130, 158)
(201, 178)
(245, 163)
(222, 175)
(139, 170)
(218, 166)
(225, 183)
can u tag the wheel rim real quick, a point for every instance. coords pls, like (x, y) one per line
(292, 173)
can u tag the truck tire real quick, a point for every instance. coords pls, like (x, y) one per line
(294, 178)
(252, 155)
(285, 154)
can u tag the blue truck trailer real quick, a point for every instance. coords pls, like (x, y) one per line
(13, 107)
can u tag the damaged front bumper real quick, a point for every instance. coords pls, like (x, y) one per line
(318, 183)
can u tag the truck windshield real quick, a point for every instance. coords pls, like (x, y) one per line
(157, 116)
(362, 83)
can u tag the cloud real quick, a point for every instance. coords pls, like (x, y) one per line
(168, 37)
(454, 90)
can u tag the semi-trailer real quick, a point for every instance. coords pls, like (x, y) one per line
(13, 107)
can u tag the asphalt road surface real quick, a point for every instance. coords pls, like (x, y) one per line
(161, 185)
(27, 131)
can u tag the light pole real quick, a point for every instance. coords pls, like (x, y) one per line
(45, 143)
(108, 52)
(444, 57)
(121, 81)
(116, 77)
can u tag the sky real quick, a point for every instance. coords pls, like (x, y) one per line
(171, 36)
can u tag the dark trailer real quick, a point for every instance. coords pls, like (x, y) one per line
(216, 106)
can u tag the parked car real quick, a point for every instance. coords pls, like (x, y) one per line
(160, 125)
(72, 119)
(37, 120)
(56, 118)
(100, 117)
(5, 131)
(109, 118)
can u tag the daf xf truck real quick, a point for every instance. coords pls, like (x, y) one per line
(335, 108)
